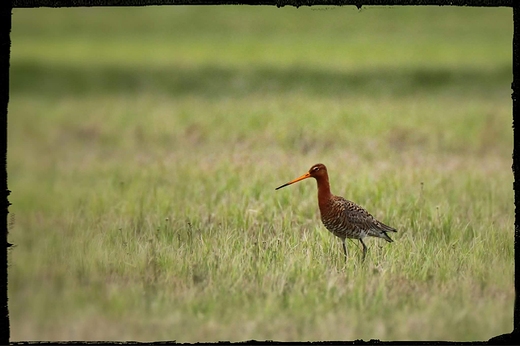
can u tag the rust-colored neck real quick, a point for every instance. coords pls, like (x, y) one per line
(324, 194)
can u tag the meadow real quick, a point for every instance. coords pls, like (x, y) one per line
(145, 145)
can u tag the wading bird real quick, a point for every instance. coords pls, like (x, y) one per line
(343, 218)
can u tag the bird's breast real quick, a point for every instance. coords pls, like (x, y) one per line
(333, 218)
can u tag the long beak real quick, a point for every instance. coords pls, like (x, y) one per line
(305, 176)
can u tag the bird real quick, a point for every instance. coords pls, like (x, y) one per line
(343, 218)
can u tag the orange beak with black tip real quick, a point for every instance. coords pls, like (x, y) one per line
(305, 176)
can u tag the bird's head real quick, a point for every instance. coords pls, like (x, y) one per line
(317, 171)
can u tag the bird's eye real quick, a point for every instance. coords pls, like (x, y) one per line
(315, 169)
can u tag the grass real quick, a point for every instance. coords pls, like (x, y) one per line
(145, 145)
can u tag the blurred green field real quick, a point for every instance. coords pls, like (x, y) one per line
(145, 145)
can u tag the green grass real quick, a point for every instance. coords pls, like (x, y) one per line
(145, 145)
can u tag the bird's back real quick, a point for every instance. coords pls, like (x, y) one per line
(346, 219)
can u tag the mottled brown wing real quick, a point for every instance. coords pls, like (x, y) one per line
(357, 217)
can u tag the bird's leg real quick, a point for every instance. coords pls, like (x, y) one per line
(364, 249)
(344, 248)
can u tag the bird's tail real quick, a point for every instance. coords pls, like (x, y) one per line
(386, 237)
(384, 229)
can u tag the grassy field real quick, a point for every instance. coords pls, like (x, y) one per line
(145, 145)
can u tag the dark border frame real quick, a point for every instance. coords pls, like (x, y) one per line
(6, 7)
(279, 3)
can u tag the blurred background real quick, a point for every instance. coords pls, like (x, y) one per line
(145, 145)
